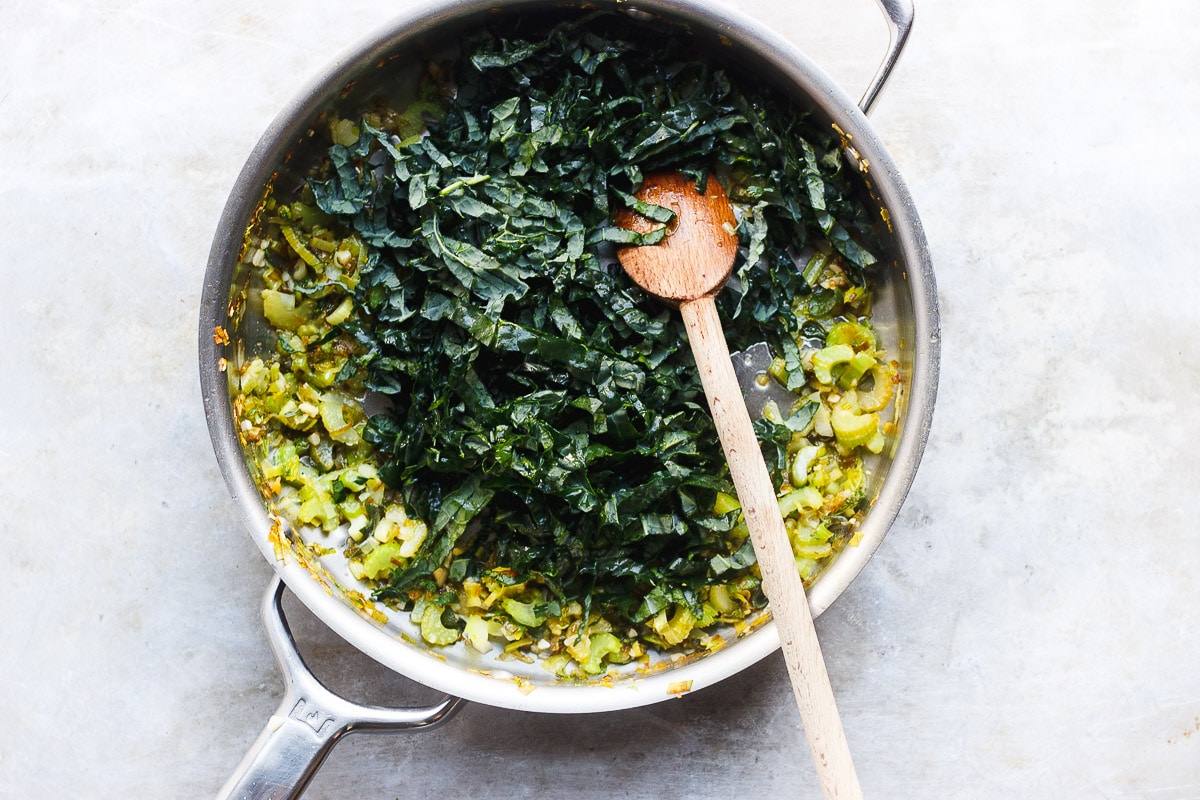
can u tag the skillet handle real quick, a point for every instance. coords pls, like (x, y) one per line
(310, 720)
(899, 14)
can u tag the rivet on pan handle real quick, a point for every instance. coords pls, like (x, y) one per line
(899, 15)
(310, 720)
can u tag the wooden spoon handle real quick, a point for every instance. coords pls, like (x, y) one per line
(781, 581)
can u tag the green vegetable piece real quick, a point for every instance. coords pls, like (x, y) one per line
(822, 302)
(778, 370)
(882, 388)
(342, 312)
(801, 462)
(743, 557)
(411, 124)
(725, 503)
(355, 477)
(600, 645)
(814, 268)
(810, 536)
(339, 417)
(301, 249)
(476, 633)
(675, 628)
(253, 376)
(433, 630)
(802, 416)
(853, 427)
(522, 613)
(321, 452)
(855, 334)
(382, 560)
(855, 369)
(719, 597)
(811, 550)
(305, 216)
(343, 132)
(319, 510)
(826, 359)
(648, 210)
(804, 497)
(280, 310)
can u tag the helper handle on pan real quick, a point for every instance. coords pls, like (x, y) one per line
(899, 15)
(309, 721)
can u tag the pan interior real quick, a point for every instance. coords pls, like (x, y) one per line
(387, 68)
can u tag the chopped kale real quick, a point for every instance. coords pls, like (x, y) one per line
(546, 414)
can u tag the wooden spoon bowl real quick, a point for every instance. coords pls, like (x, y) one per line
(696, 257)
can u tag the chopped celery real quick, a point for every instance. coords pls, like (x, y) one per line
(434, 631)
(855, 369)
(253, 376)
(397, 527)
(476, 633)
(801, 462)
(315, 511)
(804, 497)
(719, 597)
(343, 132)
(321, 451)
(852, 426)
(301, 410)
(393, 518)
(814, 268)
(522, 613)
(883, 383)
(305, 215)
(281, 311)
(382, 560)
(357, 526)
(855, 334)
(334, 410)
(811, 536)
(807, 567)
(355, 477)
(600, 645)
(341, 313)
(725, 503)
(675, 628)
(821, 424)
(778, 370)
(299, 247)
(814, 550)
(318, 242)
(412, 536)
(825, 359)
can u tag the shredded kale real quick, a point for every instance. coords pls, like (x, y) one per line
(546, 414)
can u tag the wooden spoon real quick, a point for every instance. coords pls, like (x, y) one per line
(687, 269)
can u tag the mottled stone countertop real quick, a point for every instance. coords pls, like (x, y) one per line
(1030, 627)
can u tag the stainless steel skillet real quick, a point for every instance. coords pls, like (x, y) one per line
(310, 719)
